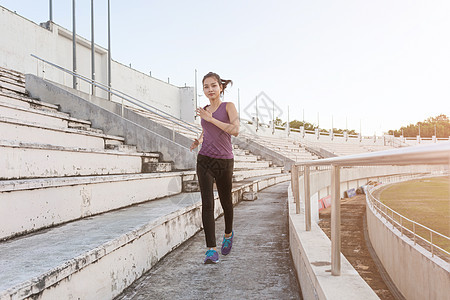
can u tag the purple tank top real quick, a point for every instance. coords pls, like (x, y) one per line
(216, 142)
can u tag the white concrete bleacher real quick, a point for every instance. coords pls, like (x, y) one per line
(286, 146)
(90, 194)
(68, 167)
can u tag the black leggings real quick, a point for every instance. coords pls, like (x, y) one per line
(221, 170)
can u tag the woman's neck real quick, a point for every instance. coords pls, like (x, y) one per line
(214, 103)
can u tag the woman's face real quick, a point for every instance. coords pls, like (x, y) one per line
(211, 88)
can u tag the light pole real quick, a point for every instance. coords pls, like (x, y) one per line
(74, 46)
(109, 48)
(92, 48)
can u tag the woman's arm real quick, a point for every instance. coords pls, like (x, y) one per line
(232, 127)
(197, 142)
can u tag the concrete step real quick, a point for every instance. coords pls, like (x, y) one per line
(32, 204)
(190, 186)
(4, 72)
(26, 102)
(251, 164)
(240, 152)
(157, 167)
(105, 253)
(22, 160)
(242, 174)
(11, 87)
(30, 132)
(54, 119)
(245, 158)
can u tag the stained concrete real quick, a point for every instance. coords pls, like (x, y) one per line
(258, 267)
(26, 257)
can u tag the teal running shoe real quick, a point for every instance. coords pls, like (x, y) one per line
(227, 244)
(212, 257)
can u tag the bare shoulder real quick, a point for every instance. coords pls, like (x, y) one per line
(230, 105)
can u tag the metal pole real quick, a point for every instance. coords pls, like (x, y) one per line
(295, 188)
(239, 106)
(287, 125)
(74, 44)
(109, 48)
(257, 121)
(51, 10)
(335, 222)
(306, 187)
(273, 117)
(195, 87)
(92, 47)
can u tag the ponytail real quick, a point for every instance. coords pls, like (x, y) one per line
(222, 82)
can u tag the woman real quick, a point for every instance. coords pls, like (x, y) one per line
(215, 161)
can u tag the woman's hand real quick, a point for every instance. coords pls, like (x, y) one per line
(194, 144)
(204, 114)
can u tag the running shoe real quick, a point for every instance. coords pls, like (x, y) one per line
(227, 244)
(212, 257)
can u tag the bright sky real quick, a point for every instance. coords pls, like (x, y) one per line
(383, 63)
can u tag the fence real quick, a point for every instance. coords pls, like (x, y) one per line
(437, 154)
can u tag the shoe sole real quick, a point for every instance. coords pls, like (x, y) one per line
(209, 261)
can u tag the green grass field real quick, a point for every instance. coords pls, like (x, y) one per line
(425, 201)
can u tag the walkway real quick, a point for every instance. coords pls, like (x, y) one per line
(259, 266)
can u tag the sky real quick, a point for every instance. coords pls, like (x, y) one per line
(369, 65)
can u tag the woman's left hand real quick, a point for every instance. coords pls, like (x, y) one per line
(204, 114)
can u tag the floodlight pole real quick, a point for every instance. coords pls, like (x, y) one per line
(51, 10)
(92, 48)
(74, 45)
(195, 88)
(109, 48)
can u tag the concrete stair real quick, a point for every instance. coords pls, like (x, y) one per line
(104, 253)
(80, 208)
(55, 168)
(287, 147)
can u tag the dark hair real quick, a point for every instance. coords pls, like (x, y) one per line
(222, 82)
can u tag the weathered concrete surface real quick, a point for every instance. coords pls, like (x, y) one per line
(258, 267)
(26, 257)
(130, 241)
(354, 243)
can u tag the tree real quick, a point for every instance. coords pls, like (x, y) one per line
(439, 126)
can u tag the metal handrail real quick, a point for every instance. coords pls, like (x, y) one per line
(126, 97)
(377, 204)
(418, 155)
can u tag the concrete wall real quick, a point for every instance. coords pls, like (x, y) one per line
(414, 272)
(148, 137)
(311, 250)
(22, 37)
(311, 253)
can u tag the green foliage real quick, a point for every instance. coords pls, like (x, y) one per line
(441, 124)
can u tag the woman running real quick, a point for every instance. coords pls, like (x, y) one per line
(215, 161)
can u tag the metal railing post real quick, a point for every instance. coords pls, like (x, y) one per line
(431, 243)
(306, 187)
(295, 188)
(335, 221)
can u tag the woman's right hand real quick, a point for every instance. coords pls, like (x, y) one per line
(194, 144)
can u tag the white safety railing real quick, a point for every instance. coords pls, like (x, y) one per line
(127, 98)
(436, 154)
(401, 223)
